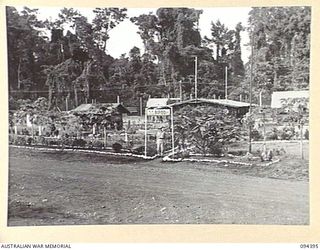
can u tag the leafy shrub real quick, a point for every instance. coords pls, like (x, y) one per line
(306, 134)
(202, 126)
(20, 140)
(256, 135)
(25, 131)
(287, 133)
(184, 154)
(66, 141)
(29, 141)
(238, 152)
(138, 150)
(53, 142)
(79, 143)
(97, 144)
(117, 147)
(272, 135)
(41, 140)
(11, 139)
(216, 148)
(151, 151)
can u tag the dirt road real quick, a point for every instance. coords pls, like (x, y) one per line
(72, 188)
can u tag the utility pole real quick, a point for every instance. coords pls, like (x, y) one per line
(226, 81)
(250, 93)
(67, 108)
(260, 98)
(140, 106)
(180, 90)
(196, 77)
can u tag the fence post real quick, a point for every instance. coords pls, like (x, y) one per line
(104, 137)
(301, 141)
(145, 132)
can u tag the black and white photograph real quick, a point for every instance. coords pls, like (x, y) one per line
(184, 115)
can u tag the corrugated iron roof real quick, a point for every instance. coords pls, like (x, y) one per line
(133, 109)
(278, 96)
(223, 102)
(96, 107)
(157, 102)
(83, 108)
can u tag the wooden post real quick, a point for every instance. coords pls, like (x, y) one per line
(76, 96)
(32, 132)
(264, 132)
(196, 78)
(94, 129)
(250, 93)
(226, 82)
(145, 132)
(15, 133)
(140, 106)
(67, 105)
(260, 98)
(180, 90)
(172, 131)
(301, 141)
(104, 137)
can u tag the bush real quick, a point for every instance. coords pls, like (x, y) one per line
(184, 154)
(97, 144)
(29, 141)
(306, 134)
(238, 152)
(216, 148)
(20, 140)
(138, 150)
(117, 147)
(79, 143)
(256, 135)
(11, 139)
(41, 140)
(53, 142)
(272, 135)
(151, 151)
(66, 141)
(287, 133)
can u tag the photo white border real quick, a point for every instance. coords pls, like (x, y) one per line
(168, 233)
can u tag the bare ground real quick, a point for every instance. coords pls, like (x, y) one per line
(72, 188)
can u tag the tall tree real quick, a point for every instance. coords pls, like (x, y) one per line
(166, 35)
(25, 44)
(105, 20)
(222, 38)
(282, 47)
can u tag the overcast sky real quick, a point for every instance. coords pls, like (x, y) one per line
(124, 36)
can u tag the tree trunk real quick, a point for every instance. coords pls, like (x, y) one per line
(301, 141)
(275, 79)
(75, 95)
(173, 79)
(217, 53)
(50, 98)
(19, 72)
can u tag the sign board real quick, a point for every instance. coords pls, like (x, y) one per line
(158, 112)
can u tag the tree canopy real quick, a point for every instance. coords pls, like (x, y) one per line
(72, 66)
